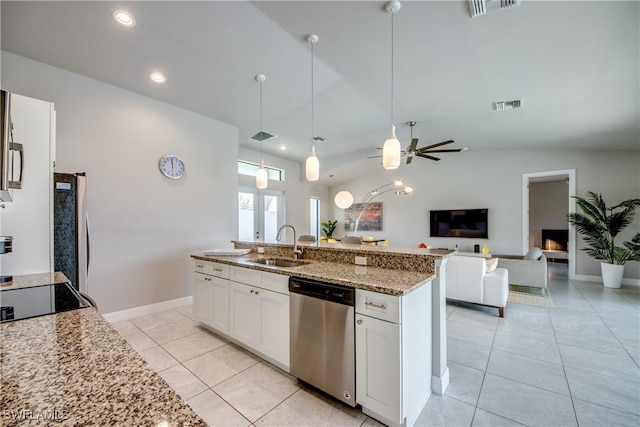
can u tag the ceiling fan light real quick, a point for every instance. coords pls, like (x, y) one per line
(408, 189)
(262, 180)
(391, 151)
(344, 199)
(398, 182)
(312, 166)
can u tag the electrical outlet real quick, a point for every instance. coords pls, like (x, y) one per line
(260, 250)
(361, 260)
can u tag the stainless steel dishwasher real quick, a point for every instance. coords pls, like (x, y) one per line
(322, 337)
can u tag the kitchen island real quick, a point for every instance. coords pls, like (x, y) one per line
(400, 343)
(73, 368)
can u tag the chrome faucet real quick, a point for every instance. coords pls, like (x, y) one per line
(296, 251)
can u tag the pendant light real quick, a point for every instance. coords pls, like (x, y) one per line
(312, 165)
(262, 180)
(391, 148)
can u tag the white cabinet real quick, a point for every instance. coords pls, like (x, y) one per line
(259, 313)
(393, 354)
(211, 295)
(378, 367)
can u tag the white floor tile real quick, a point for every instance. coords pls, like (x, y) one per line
(126, 327)
(525, 404)
(464, 383)
(590, 414)
(442, 411)
(602, 363)
(215, 411)
(220, 364)
(140, 341)
(468, 332)
(257, 390)
(154, 320)
(604, 390)
(467, 353)
(529, 347)
(173, 331)
(183, 382)
(158, 359)
(193, 345)
(534, 372)
(483, 418)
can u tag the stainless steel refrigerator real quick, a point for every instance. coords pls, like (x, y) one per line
(71, 228)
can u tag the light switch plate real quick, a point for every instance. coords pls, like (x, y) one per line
(260, 250)
(361, 260)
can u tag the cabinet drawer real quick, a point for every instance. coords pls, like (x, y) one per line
(380, 306)
(263, 279)
(212, 268)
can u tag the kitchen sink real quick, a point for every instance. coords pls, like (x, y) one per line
(280, 262)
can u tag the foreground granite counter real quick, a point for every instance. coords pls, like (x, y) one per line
(73, 368)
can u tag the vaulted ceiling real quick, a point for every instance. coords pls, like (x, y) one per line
(575, 64)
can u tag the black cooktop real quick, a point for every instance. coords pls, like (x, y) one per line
(23, 303)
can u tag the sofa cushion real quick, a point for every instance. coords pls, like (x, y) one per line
(533, 254)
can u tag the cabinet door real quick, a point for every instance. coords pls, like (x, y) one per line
(244, 313)
(203, 298)
(378, 367)
(220, 318)
(273, 339)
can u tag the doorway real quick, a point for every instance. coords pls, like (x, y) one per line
(260, 214)
(536, 213)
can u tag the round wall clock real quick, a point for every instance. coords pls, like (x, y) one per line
(171, 166)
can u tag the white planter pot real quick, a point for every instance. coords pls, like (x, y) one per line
(611, 274)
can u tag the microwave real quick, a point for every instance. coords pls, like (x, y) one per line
(11, 153)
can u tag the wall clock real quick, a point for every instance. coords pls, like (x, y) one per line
(171, 166)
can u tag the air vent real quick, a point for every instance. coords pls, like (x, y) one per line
(509, 105)
(481, 7)
(262, 136)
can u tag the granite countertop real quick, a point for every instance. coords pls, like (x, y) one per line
(382, 280)
(32, 280)
(73, 368)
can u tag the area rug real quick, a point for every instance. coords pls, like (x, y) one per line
(530, 295)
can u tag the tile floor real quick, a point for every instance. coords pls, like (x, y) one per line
(575, 364)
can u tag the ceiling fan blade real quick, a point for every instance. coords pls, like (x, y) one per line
(439, 144)
(373, 157)
(409, 159)
(453, 150)
(412, 147)
(427, 157)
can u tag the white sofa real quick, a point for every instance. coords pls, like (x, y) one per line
(528, 270)
(468, 280)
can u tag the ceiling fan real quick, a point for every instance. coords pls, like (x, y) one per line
(424, 152)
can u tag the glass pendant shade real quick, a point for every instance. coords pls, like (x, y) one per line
(344, 199)
(262, 179)
(391, 151)
(312, 166)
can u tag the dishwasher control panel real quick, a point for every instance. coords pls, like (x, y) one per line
(327, 291)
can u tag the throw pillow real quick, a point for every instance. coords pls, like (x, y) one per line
(534, 254)
(492, 263)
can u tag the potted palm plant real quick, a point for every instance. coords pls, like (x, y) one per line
(328, 227)
(599, 225)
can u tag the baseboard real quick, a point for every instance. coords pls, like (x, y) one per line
(598, 279)
(439, 384)
(119, 316)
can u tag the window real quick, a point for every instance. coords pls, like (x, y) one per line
(250, 169)
(314, 217)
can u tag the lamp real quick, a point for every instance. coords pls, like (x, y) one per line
(312, 165)
(344, 199)
(262, 179)
(391, 148)
(397, 187)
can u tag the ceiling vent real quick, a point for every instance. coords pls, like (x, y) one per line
(509, 105)
(262, 136)
(482, 7)
(318, 139)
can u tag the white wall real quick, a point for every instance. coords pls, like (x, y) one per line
(297, 190)
(143, 225)
(548, 209)
(493, 180)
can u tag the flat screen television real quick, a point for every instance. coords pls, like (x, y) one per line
(471, 223)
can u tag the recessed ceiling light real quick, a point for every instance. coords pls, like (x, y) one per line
(283, 147)
(123, 18)
(157, 77)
